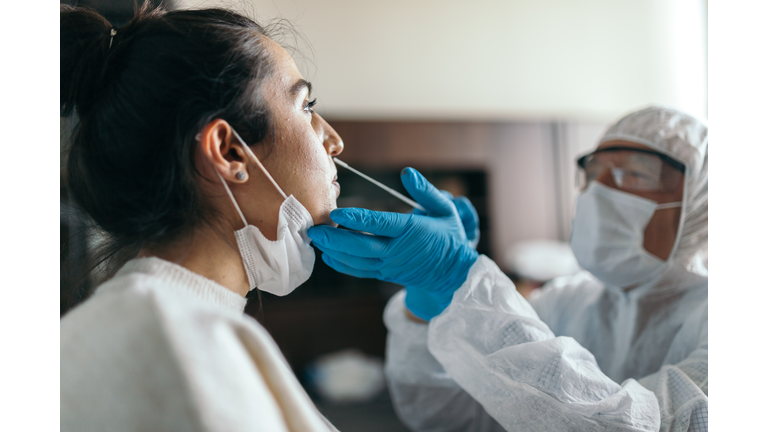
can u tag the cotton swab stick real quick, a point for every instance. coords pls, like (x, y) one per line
(397, 194)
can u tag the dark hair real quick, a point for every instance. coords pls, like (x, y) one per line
(140, 103)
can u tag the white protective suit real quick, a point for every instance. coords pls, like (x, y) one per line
(582, 356)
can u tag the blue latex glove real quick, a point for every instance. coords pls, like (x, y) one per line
(429, 254)
(468, 215)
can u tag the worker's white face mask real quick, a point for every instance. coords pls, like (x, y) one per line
(608, 233)
(279, 266)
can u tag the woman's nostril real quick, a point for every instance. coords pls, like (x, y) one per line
(334, 144)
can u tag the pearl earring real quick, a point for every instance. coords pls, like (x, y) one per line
(240, 175)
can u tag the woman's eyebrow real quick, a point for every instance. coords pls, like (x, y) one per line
(300, 84)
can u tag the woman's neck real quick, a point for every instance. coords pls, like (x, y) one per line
(208, 252)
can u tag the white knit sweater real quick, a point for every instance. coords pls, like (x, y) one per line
(160, 348)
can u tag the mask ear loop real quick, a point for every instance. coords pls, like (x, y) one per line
(232, 197)
(258, 162)
(229, 192)
(669, 205)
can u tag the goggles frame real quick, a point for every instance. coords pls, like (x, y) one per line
(582, 161)
(672, 162)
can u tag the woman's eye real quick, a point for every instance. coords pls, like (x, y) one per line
(310, 104)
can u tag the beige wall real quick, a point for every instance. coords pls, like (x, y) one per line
(497, 59)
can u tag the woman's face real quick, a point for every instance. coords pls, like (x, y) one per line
(300, 159)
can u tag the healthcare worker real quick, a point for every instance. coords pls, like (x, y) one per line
(199, 154)
(620, 346)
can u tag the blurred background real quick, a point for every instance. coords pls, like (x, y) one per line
(491, 99)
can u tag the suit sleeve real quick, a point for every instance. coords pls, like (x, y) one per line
(492, 344)
(425, 397)
(682, 388)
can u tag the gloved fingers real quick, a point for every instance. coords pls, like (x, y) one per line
(425, 193)
(469, 217)
(343, 268)
(419, 212)
(354, 261)
(422, 304)
(467, 211)
(334, 239)
(385, 224)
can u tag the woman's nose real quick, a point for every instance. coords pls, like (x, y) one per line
(331, 140)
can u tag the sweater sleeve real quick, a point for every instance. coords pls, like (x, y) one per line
(491, 342)
(236, 375)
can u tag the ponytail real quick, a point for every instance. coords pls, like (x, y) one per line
(84, 39)
(140, 103)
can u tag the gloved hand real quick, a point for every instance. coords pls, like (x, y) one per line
(429, 254)
(468, 215)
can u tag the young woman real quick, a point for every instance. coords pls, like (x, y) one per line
(197, 148)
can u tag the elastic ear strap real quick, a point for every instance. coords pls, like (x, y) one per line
(669, 205)
(258, 162)
(232, 197)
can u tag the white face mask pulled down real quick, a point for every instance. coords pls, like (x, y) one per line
(608, 234)
(277, 267)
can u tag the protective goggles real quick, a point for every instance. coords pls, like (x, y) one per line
(632, 169)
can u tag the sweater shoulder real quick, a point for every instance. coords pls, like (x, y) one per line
(143, 356)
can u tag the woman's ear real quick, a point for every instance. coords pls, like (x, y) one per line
(223, 151)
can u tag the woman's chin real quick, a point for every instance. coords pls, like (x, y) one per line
(325, 218)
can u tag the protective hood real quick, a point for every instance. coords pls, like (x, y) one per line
(685, 138)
